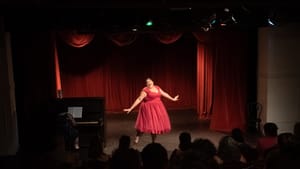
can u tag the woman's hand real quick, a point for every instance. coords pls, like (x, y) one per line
(176, 98)
(127, 110)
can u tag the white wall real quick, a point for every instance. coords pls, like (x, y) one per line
(279, 75)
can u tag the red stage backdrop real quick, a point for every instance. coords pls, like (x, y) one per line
(207, 70)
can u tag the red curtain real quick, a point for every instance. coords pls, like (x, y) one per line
(230, 84)
(118, 73)
(74, 39)
(205, 71)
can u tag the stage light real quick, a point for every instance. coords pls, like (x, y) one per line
(206, 28)
(271, 22)
(223, 24)
(233, 19)
(226, 10)
(149, 23)
(213, 19)
(135, 28)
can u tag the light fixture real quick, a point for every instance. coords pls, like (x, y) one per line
(272, 18)
(271, 22)
(149, 23)
(213, 19)
(134, 29)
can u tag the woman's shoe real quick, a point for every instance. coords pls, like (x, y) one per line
(137, 139)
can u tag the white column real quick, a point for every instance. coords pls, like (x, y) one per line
(279, 75)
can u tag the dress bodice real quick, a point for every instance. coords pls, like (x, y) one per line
(152, 95)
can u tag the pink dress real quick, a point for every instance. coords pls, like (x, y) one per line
(152, 117)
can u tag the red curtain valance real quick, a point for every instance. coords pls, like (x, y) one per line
(122, 39)
(168, 37)
(75, 39)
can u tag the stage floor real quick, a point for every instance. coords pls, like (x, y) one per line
(121, 123)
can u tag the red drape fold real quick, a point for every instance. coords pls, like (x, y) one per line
(230, 83)
(57, 71)
(168, 37)
(204, 75)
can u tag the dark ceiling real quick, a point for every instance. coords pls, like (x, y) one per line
(122, 15)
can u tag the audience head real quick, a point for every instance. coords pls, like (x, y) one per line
(200, 156)
(297, 130)
(228, 150)
(205, 147)
(237, 135)
(270, 129)
(284, 139)
(154, 156)
(124, 142)
(185, 141)
(194, 160)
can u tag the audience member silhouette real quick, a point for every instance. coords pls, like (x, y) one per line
(125, 157)
(250, 153)
(296, 136)
(176, 157)
(268, 140)
(230, 154)
(201, 155)
(154, 156)
(282, 155)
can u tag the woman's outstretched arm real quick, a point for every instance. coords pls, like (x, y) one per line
(136, 102)
(166, 95)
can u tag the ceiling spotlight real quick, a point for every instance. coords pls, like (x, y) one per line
(213, 19)
(271, 22)
(149, 23)
(226, 10)
(223, 24)
(233, 19)
(205, 29)
(135, 28)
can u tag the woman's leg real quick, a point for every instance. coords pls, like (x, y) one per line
(153, 136)
(138, 135)
(76, 143)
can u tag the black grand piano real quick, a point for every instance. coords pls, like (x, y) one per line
(89, 115)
